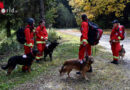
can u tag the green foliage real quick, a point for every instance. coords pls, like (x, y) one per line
(52, 35)
(50, 16)
(9, 45)
(65, 17)
(96, 9)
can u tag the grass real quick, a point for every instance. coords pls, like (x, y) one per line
(106, 76)
(17, 77)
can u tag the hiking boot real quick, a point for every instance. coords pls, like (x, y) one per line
(78, 72)
(115, 62)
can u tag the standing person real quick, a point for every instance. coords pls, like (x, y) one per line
(115, 37)
(41, 37)
(85, 47)
(29, 38)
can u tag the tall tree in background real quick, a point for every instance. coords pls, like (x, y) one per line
(41, 9)
(96, 8)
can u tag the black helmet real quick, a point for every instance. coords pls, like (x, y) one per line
(30, 21)
(115, 21)
(84, 17)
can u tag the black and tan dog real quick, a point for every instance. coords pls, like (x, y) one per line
(122, 52)
(21, 60)
(71, 64)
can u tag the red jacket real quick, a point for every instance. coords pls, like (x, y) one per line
(84, 32)
(117, 33)
(29, 37)
(41, 34)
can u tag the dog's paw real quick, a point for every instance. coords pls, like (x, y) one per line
(86, 78)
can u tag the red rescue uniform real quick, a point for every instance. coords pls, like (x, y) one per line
(41, 37)
(29, 42)
(115, 37)
(85, 47)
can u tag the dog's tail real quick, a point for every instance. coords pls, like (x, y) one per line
(5, 67)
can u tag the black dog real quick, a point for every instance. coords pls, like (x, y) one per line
(21, 60)
(49, 49)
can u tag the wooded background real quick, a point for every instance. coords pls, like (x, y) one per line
(64, 13)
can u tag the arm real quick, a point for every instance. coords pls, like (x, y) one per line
(46, 34)
(38, 33)
(120, 34)
(28, 37)
(84, 32)
(112, 34)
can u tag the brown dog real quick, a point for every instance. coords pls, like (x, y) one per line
(122, 53)
(71, 64)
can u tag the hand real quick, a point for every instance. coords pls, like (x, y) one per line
(84, 43)
(31, 50)
(113, 40)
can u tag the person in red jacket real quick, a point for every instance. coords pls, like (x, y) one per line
(28, 45)
(115, 37)
(41, 38)
(85, 47)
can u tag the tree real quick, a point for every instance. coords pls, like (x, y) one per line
(41, 9)
(95, 8)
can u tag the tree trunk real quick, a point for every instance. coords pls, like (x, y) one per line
(8, 30)
(41, 9)
(126, 14)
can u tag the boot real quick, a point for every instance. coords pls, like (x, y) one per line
(115, 62)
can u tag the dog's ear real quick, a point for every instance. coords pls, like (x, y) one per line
(91, 59)
(122, 45)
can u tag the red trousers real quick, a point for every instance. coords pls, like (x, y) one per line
(115, 47)
(40, 48)
(27, 50)
(84, 51)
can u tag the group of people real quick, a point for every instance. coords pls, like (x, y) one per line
(85, 47)
(41, 37)
(115, 37)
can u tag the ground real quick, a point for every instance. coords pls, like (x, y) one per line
(105, 76)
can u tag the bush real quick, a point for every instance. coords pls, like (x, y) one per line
(52, 35)
(10, 46)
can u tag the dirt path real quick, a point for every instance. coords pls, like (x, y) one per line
(105, 76)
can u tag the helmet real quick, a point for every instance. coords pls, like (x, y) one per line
(115, 21)
(84, 17)
(30, 21)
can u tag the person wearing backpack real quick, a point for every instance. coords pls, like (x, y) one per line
(29, 38)
(41, 38)
(116, 35)
(85, 47)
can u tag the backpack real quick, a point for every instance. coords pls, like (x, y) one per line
(20, 35)
(94, 33)
(123, 31)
